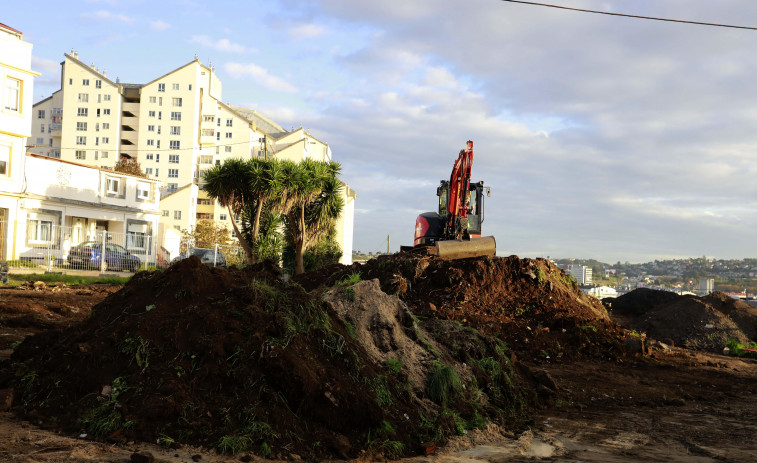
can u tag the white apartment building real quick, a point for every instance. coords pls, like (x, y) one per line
(17, 80)
(176, 126)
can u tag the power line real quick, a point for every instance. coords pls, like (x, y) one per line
(631, 15)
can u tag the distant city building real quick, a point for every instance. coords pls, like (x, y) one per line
(601, 292)
(581, 273)
(706, 286)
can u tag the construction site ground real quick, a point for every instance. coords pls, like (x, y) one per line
(663, 404)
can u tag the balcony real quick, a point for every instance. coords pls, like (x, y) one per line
(129, 137)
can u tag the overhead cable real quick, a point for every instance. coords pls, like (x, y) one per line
(631, 15)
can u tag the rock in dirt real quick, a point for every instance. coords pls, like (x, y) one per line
(6, 399)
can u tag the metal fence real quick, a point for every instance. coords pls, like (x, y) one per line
(43, 246)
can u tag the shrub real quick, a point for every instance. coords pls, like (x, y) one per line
(443, 383)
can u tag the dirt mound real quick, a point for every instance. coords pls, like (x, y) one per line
(692, 323)
(243, 360)
(529, 303)
(742, 313)
(639, 301)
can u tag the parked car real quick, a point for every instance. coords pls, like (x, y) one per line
(88, 254)
(207, 256)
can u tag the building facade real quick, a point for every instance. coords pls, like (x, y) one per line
(176, 127)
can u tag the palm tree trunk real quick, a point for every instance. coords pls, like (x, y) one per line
(245, 245)
(256, 223)
(299, 244)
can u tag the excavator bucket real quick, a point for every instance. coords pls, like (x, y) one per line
(460, 249)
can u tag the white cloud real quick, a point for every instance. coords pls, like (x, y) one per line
(259, 75)
(104, 16)
(224, 45)
(159, 25)
(306, 31)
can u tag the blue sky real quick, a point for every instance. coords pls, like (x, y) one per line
(600, 137)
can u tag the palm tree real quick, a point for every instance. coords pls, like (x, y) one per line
(228, 183)
(313, 202)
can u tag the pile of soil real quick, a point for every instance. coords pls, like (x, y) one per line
(742, 313)
(530, 304)
(701, 323)
(244, 360)
(638, 301)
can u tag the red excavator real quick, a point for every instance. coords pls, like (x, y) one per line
(455, 231)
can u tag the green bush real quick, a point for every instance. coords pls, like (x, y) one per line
(443, 384)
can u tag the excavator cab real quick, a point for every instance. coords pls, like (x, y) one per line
(474, 202)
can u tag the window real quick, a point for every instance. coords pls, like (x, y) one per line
(97, 126)
(228, 134)
(42, 128)
(96, 153)
(85, 82)
(160, 101)
(5, 157)
(161, 87)
(173, 187)
(149, 156)
(207, 118)
(218, 122)
(158, 130)
(81, 140)
(177, 215)
(174, 144)
(156, 172)
(175, 130)
(40, 228)
(106, 112)
(70, 81)
(165, 213)
(113, 185)
(106, 126)
(148, 171)
(150, 142)
(175, 116)
(99, 97)
(82, 112)
(207, 132)
(157, 144)
(204, 202)
(227, 149)
(160, 115)
(104, 155)
(81, 155)
(143, 190)
(12, 94)
(81, 126)
(106, 97)
(97, 142)
(178, 227)
(190, 86)
(150, 113)
(153, 99)
(174, 86)
(98, 83)
(157, 158)
(40, 140)
(222, 217)
(106, 140)
(176, 101)
(173, 173)
(40, 114)
(173, 159)
(228, 122)
(151, 128)
(98, 112)
(83, 97)
(218, 135)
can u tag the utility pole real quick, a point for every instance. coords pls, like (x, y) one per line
(387, 243)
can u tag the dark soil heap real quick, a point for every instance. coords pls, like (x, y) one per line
(701, 323)
(529, 303)
(242, 360)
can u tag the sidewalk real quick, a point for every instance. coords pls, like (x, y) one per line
(69, 271)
